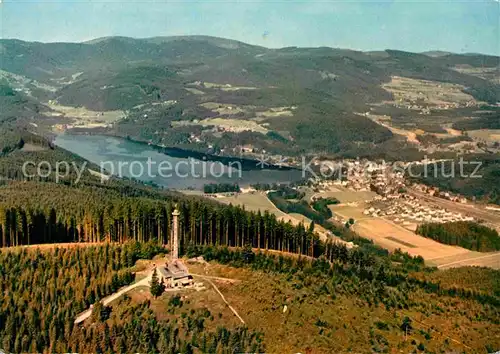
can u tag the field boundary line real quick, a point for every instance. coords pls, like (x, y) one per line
(222, 296)
(469, 260)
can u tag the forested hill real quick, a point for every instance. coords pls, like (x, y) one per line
(34, 212)
(389, 295)
(375, 304)
(39, 210)
(291, 100)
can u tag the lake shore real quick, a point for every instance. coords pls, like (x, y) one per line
(188, 169)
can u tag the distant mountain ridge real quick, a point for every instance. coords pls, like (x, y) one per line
(221, 42)
(329, 87)
(44, 60)
(230, 43)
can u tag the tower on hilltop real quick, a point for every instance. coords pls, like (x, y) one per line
(175, 235)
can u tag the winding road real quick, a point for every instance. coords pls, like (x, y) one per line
(146, 281)
(107, 300)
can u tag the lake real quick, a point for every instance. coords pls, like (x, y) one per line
(131, 159)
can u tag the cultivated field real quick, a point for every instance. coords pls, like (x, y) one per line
(432, 93)
(392, 237)
(480, 259)
(348, 211)
(27, 147)
(232, 125)
(451, 132)
(275, 112)
(490, 74)
(489, 135)
(82, 117)
(25, 84)
(221, 108)
(324, 235)
(194, 91)
(259, 201)
(253, 202)
(383, 232)
(305, 220)
(227, 87)
(384, 121)
(347, 196)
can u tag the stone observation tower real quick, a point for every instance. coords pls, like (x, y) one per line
(175, 235)
(175, 273)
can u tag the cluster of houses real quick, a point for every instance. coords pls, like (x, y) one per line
(378, 177)
(421, 100)
(424, 109)
(388, 183)
(408, 208)
(326, 185)
(359, 175)
(362, 175)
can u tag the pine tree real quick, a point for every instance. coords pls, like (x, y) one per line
(406, 325)
(156, 287)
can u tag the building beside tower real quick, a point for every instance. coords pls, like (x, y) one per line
(175, 274)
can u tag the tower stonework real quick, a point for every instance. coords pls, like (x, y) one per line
(175, 235)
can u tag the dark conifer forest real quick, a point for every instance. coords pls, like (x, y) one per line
(43, 291)
(37, 213)
(465, 234)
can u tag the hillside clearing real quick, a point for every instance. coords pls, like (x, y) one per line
(253, 202)
(231, 125)
(81, 117)
(347, 196)
(433, 93)
(489, 135)
(391, 236)
(490, 74)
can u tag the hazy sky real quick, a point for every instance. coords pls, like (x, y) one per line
(458, 26)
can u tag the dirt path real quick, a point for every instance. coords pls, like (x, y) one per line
(146, 281)
(232, 281)
(107, 300)
(453, 132)
(409, 135)
(208, 278)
